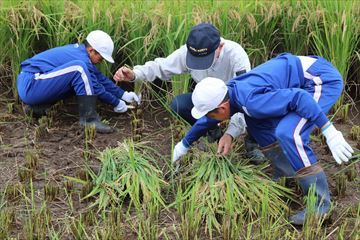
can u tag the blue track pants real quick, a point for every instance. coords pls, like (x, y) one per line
(65, 80)
(292, 132)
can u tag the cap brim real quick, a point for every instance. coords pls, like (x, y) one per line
(199, 63)
(107, 58)
(197, 114)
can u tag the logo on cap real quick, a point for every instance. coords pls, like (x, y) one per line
(202, 42)
(199, 51)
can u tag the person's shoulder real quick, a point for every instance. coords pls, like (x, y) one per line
(233, 49)
(69, 47)
(231, 44)
(179, 53)
(75, 46)
(182, 50)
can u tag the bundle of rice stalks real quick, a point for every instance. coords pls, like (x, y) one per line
(225, 193)
(128, 172)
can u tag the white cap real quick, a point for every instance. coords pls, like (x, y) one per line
(207, 95)
(102, 43)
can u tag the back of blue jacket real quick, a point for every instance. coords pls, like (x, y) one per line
(270, 90)
(50, 59)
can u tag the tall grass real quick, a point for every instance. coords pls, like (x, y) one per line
(263, 28)
(294, 26)
(21, 31)
(334, 33)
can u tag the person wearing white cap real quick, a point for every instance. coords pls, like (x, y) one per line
(205, 54)
(283, 100)
(68, 70)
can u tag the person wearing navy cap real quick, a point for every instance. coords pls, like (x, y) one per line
(202, 43)
(205, 54)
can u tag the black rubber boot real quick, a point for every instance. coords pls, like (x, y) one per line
(36, 111)
(323, 203)
(253, 151)
(280, 164)
(88, 115)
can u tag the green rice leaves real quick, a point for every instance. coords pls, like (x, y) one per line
(223, 191)
(128, 171)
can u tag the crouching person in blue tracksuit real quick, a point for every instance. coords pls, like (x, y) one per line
(70, 70)
(283, 100)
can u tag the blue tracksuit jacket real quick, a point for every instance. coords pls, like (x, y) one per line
(281, 104)
(62, 71)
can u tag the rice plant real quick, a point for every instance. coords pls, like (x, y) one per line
(355, 132)
(294, 27)
(90, 133)
(78, 228)
(334, 33)
(312, 226)
(22, 24)
(31, 158)
(262, 31)
(7, 216)
(42, 127)
(223, 190)
(128, 172)
(340, 180)
(112, 226)
(12, 192)
(51, 191)
(37, 218)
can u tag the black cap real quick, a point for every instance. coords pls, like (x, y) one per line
(202, 42)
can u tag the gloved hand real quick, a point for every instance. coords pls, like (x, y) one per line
(339, 148)
(121, 107)
(130, 97)
(179, 151)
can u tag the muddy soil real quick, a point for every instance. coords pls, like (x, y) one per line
(60, 149)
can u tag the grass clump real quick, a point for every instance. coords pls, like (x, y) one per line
(225, 194)
(128, 172)
(355, 132)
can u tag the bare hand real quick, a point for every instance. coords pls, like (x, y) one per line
(224, 145)
(124, 74)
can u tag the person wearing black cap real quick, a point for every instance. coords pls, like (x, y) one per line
(205, 54)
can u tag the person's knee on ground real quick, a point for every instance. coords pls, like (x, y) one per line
(88, 114)
(313, 176)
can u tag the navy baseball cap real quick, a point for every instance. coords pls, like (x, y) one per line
(202, 42)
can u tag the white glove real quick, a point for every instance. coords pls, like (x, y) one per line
(121, 107)
(339, 148)
(130, 97)
(179, 151)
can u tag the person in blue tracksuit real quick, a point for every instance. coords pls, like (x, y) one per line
(283, 100)
(69, 70)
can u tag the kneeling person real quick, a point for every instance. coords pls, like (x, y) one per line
(60, 72)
